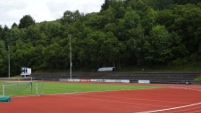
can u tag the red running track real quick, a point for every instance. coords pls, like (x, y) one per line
(174, 99)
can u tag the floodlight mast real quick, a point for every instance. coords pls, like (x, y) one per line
(8, 62)
(70, 53)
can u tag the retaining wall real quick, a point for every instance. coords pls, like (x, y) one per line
(154, 77)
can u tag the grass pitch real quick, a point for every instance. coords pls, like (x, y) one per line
(42, 88)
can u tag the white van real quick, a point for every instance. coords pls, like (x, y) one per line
(25, 71)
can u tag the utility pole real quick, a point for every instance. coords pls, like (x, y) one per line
(70, 53)
(8, 62)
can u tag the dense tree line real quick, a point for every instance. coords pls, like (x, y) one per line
(124, 33)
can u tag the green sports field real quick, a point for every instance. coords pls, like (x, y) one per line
(41, 88)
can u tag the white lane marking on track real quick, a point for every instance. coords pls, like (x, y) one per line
(168, 109)
(106, 100)
(186, 88)
(151, 100)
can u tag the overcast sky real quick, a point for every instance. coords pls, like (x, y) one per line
(43, 10)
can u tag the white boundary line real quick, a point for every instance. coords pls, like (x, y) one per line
(168, 109)
(189, 109)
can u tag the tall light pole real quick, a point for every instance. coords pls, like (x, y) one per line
(8, 62)
(70, 55)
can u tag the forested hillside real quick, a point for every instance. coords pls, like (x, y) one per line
(124, 33)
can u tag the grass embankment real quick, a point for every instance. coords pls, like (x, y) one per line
(163, 69)
(198, 79)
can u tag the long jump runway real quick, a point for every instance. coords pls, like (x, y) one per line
(172, 99)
